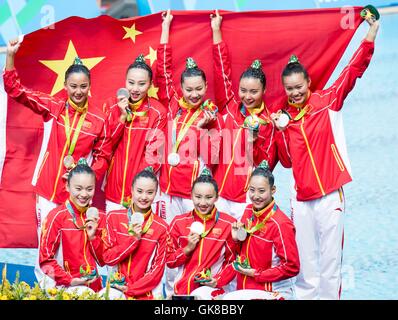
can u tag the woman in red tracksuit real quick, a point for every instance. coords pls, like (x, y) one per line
(137, 249)
(269, 249)
(194, 133)
(202, 257)
(137, 133)
(70, 245)
(316, 144)
(74, 128)
(245, 146)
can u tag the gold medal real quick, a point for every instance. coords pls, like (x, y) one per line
(69, 162)
(173, 159)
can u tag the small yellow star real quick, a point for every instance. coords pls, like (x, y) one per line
(151, 56)
(153, 92)
(131, 33)
(60, 66)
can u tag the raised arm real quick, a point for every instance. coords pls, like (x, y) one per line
(221, 65)
(354, 70)
(167, 92)
(38, 102)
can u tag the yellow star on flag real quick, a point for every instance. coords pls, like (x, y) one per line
(151, 56)
(131, 32)
(60, 66)
(153, 92)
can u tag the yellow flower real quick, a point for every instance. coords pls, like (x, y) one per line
(3, 297)
(32, 297)
(52, 291)
(65, 296)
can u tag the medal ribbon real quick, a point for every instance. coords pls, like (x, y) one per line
(205, 218)
(184, 129)
(302, 113)
(72, 213)
(254, 113)
(131, 110)
(258, 226)
(148, 223)
(68, 129)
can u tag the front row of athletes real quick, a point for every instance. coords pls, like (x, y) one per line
(209, 248)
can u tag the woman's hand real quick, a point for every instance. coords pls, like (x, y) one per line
(167, 17)
(193, 239)
(247, 272)
(123, 104)
(91, 228)
(212, 283)
(12, 48)
(374, 27)
(215, 23)
(234, 230)
(137, 228)
(207, 118)
(216, 20)
(275, 118)
(81, 282)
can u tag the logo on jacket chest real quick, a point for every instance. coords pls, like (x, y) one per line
(216, 232)
(87, 124)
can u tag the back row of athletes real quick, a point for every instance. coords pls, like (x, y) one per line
(133, 133)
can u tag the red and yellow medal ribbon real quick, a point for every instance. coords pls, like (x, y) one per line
(184, 129)
(132, 110)
(258, 226)
(68, 130)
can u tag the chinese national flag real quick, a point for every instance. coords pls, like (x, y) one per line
(107, 46)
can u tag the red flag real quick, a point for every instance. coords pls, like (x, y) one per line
(107, 46)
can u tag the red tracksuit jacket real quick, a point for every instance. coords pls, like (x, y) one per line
(91, 140)
(141, 261)
(316, 143)
(233, 173)
(136, 143)
(215, 251)
(64, 248)
(177, 181)
(271, 251)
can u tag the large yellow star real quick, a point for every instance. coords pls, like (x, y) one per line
(151, 55)
(60, 66)
(131, 33)
(153, 92)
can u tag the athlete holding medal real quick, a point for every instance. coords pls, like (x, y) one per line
(201, 246)
(71, 236)
(194, 135)
(253, 136)
(135, 245)
(74, 128)
(268, 256)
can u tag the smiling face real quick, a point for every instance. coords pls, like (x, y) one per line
(251, 92)
(193, 90)
(77, 86)
(296, 87)
(143, 193)
(204, 196)
(260, 192)
(138, 83)
(81, 188)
